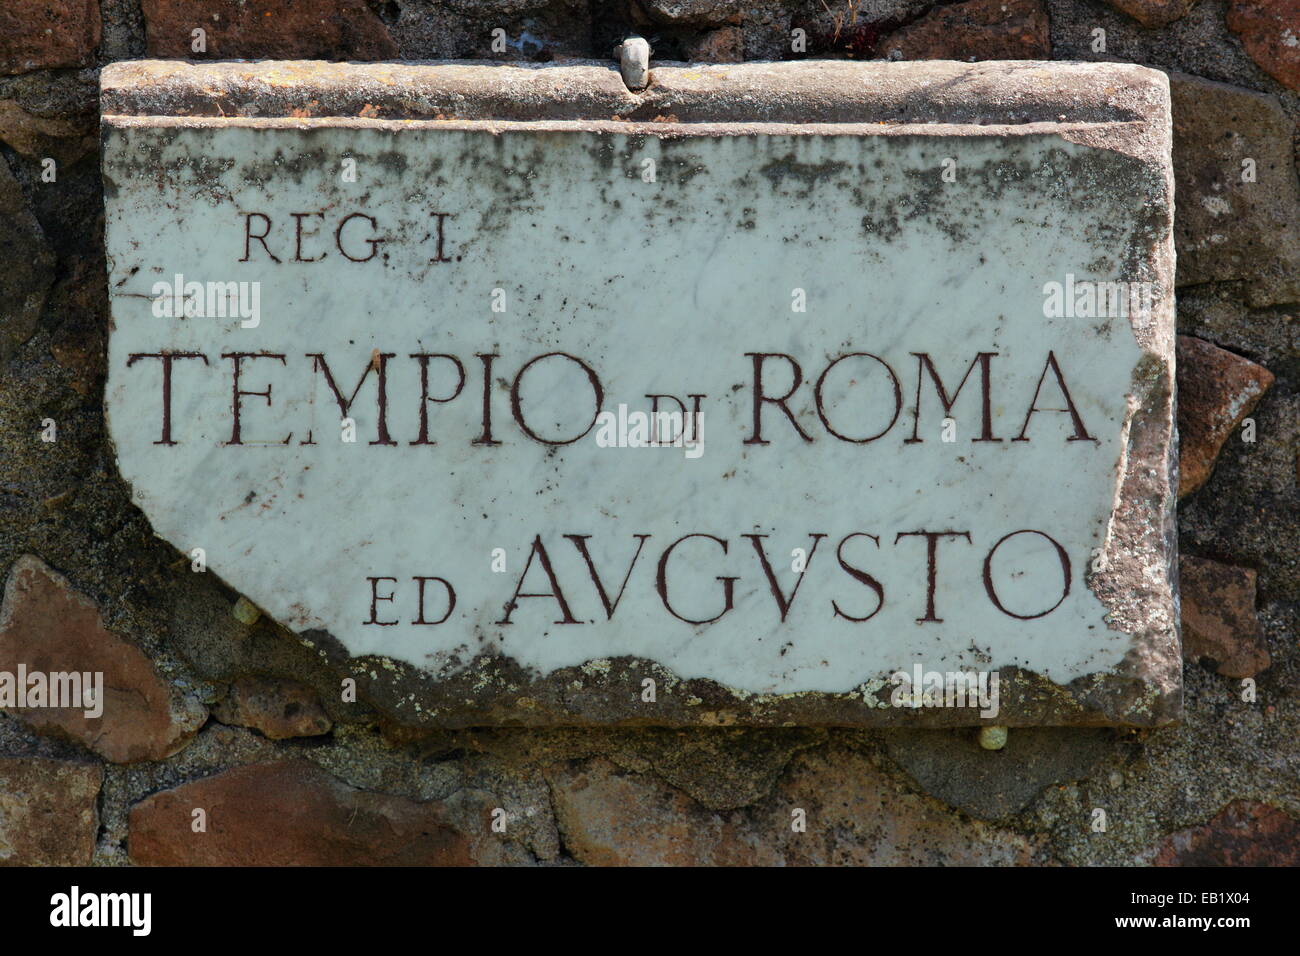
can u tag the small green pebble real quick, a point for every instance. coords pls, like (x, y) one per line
(993, 738)
(245, 611)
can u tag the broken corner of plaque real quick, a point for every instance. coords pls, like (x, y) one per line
(819, 393)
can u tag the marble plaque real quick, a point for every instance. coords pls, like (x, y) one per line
(775, 394)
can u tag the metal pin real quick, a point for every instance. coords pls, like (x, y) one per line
(993, 738)
(634, 62)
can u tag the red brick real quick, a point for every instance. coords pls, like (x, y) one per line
(1219, 622)
(975, 30)
(290, 813)
(1244, 833)
(47, 34)
(1216, 391)
(1270, 32)
(267, 29)
(48, 627)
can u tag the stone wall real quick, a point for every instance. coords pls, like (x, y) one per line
(211, 707)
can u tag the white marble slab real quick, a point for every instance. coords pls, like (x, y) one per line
(516, 242)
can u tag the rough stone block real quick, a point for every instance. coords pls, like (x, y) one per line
(48, 811)
(25, 283)
(1238, 198)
